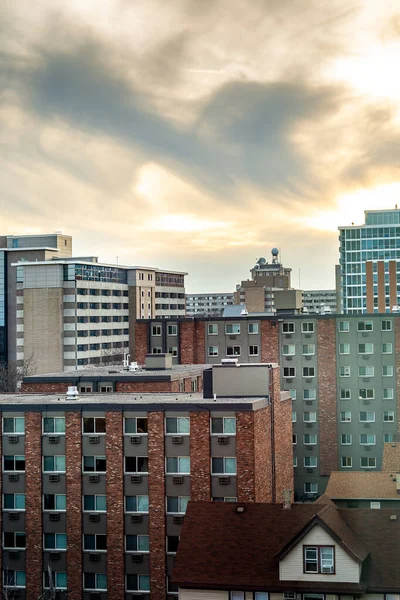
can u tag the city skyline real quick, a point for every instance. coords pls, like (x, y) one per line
(171, 136)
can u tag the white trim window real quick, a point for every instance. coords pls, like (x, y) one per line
(346, 462)
(54, 464)
(387, 370)
(367, 439)
(344, 326)
(223, 425)
(253, 328)
(368, 462)
(213, 329)
(309, 394)
(387, 348)
(366, 394)
(386, 325)
(94, 464)
(137, 504)
(53, 425)
(223, 466)
(59, 580)
(345, 416)
(367, 348)
(156, 330)
(94, 425)
(344, 348)
(289, 372)
(14, 463)
(346, 439)
(54, 541)
(233, 351)
(308, 349)
(366, 371)
(388, 416)
(135, 426)
(172, 330)
(94, 542)
(344, 371)
(95, 581)
(253, 350)
(288, 350)
(308, 372)
(288, 327)
(365, 326)
(14, 579)
(367, 416)
(310, 416)
(345, 394)
(212, 350)
(13, 540)
(307, 327)
(177, 465)
(310, 462)
(388, 393)
(310, 487)
(137, 543)
(177, 505)
(310, 439)
(136, 464)
(177, 425)
(232, 328)
(54, 502)
(14, 425)
(137, 583)
(95, 503)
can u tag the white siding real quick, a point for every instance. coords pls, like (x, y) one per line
(203, 595)
(291, 567)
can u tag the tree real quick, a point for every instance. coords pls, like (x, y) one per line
(12, 373)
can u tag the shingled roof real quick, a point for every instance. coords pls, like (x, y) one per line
(362, 484)
(223, 549)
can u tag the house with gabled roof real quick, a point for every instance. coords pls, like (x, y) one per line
(288, 552)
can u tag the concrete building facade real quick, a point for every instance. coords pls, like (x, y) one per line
(98, 484)
(320, 301)
(207, 305)
(342, 372)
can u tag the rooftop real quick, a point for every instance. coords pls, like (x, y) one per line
(216, 541)
(362, 485)
(391, 456)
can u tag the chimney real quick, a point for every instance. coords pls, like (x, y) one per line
(287, 499)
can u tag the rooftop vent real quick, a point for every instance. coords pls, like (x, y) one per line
(393, 517)
(229, 361)
(72, 392)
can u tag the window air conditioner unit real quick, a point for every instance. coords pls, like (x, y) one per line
(327, 569)
(93, 439)
(177, 439)
(136, 478)
(135, 440)
(223, 441)
(94, 478)
(13, 439)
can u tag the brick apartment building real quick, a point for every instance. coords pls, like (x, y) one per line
(339, 369)
(97, 483)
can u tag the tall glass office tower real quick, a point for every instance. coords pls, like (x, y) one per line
(370, 263)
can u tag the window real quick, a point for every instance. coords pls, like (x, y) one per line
(253, 328)
(346, 439)
(136, 464)
(310, 439)
(261, 596)
(137, 504)
(156, 350)
(345, 416)
(173, 350)
(294, 439)
(237, 596)
(54, 502)
(97, 541)
(94, 425)
(344, 326)
(309, 416)
(253, 350)
(386, 325)
(387, 348)
(14, 539)
(14, 425)
(177, 504)
(365, 348)
(14, 463)
(55, 541)
(344, 348)
(310, 488)
(294, 461)
(232, 329)
(233, 350)
(94, 464)
(308, 371)
(387, 371)
(288, 350)
(309, 394)
(223, 425)
(366, 393)
(319, 559)
(367, 439)
(388, 416)
(59, 580)
(212, 329)
(344, 371)
(367, 416)
(368, 462)
(345, 394)
(14, 579)
(212, 350)
(346, 462)
(135, 425)
(94, 581)
(178, 464)
(308, 349)
(54, 464)
(307, 327)
(310, 461)
(54, 425)
(288, 327)
(289, 372)
(177, 425)
(137, 583)
(96, 503)
(224, 499)
(365, 326)
(156, 330)
(172, 330)
(137, 543)
(223, 466)
(366, 371)
(293, 394)
(375, 505)
(388, 437)
(388, 394)
(172, 544)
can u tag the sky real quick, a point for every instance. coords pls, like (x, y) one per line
(196, 135)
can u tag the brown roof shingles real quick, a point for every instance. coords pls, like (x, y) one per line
(222, 549)
(362, 484)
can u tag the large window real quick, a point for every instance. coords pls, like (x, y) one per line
(387, 370)
(14, 539)
(364, 371)
(14, 463)
(55, 541)
(319, 559)
(136, 464)
(288, 327)
(174, 425)
(367, 416)
(135, 425)
(344, 326)
(308, 371)
(344, 348)
(137, 543)
(137, 583)
(95, 541)
(368, 462)
(223, 466)
(14, 502)
(95, 503)
(59, 580)
(213, 329)
(223, 425)
(307, 327)
(54, 464)
(54, 425)
(288, 349)
(177, 504)
(14, 425)
(137, 504)
(365, 326)
(54, 502)
(14, 579)
(366, 348)
(289, 372)
(253, 328)
(232, 328)
(94, 581)
(94, 464)
(178, 464)
(94, 425)
(233, 351)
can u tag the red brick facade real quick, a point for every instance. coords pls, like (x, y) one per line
(269, 341)
(200, 343)
(245, 480)
(44, 388)
(115, 505)
(282, 448)
(187, 343)
(326, 335)
(157, 504)
(33, 505)
(73, 443)
(141, 342)
(262, 455)
(147, 386)
(200, 488)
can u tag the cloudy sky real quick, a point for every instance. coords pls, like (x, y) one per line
(198, 134)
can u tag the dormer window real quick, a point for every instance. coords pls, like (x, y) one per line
(319, 559)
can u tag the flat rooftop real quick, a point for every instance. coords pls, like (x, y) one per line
(139, 401)
(114, 372)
